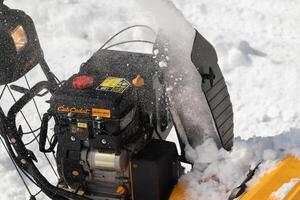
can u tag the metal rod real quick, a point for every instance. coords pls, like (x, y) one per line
(49, 75)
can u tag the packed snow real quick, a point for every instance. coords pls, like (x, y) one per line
(258, 47)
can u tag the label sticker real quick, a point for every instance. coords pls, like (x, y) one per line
(113, 84)
(101, 113)
(82, 125)
(66, 109)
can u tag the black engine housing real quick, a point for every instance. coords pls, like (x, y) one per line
(103, 129)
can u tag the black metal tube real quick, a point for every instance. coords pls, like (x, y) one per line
(49, 75)
(26, 99)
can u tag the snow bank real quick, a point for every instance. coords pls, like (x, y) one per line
(226, 170)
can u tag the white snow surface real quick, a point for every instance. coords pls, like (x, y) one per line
(258, 47)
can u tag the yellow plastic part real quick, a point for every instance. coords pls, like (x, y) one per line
(294, 193)
(286, 170)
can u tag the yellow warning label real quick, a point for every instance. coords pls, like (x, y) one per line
(111, 82)
(104, 113)
(82, 125)
(114, 84)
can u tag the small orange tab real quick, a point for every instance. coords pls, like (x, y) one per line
(138, 81)
(121, 190)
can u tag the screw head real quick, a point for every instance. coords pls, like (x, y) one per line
(104, 141)
(23, 161)
(98, 119)
(73, 139)
(13, 140)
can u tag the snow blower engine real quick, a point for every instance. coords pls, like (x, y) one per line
(105, 119)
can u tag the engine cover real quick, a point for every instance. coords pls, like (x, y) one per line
(95, 126)
(104, 125)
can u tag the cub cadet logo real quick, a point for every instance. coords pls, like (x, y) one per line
(73, 110)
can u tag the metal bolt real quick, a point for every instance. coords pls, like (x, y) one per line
(98, 118)
(73, 139)
(23, 161)
(13, 140)
(104, 141)
(82, 64)
(70, 114)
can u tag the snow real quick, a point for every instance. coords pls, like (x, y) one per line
(176, 38)
(258, 47)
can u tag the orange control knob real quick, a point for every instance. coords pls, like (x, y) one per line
(121, 190)
(75, 173)
(138, 81)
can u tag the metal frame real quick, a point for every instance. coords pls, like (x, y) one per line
(11, 137)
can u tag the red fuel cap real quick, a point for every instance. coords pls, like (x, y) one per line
(83, 82)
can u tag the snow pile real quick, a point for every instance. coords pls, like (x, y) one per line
(226, 170)
(258, 47)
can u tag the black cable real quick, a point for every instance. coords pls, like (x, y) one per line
(32, 133)
(129, 41)
(157, 133)
(3, 91)
(123, 30)
(38, 111)
(48, 74)
(33, 99)
(39, 192)
(57, 79)
(52, 138)
(31, 141)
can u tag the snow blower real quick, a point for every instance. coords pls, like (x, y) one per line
(112, 118)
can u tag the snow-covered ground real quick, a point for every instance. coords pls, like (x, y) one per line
(258, 47)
